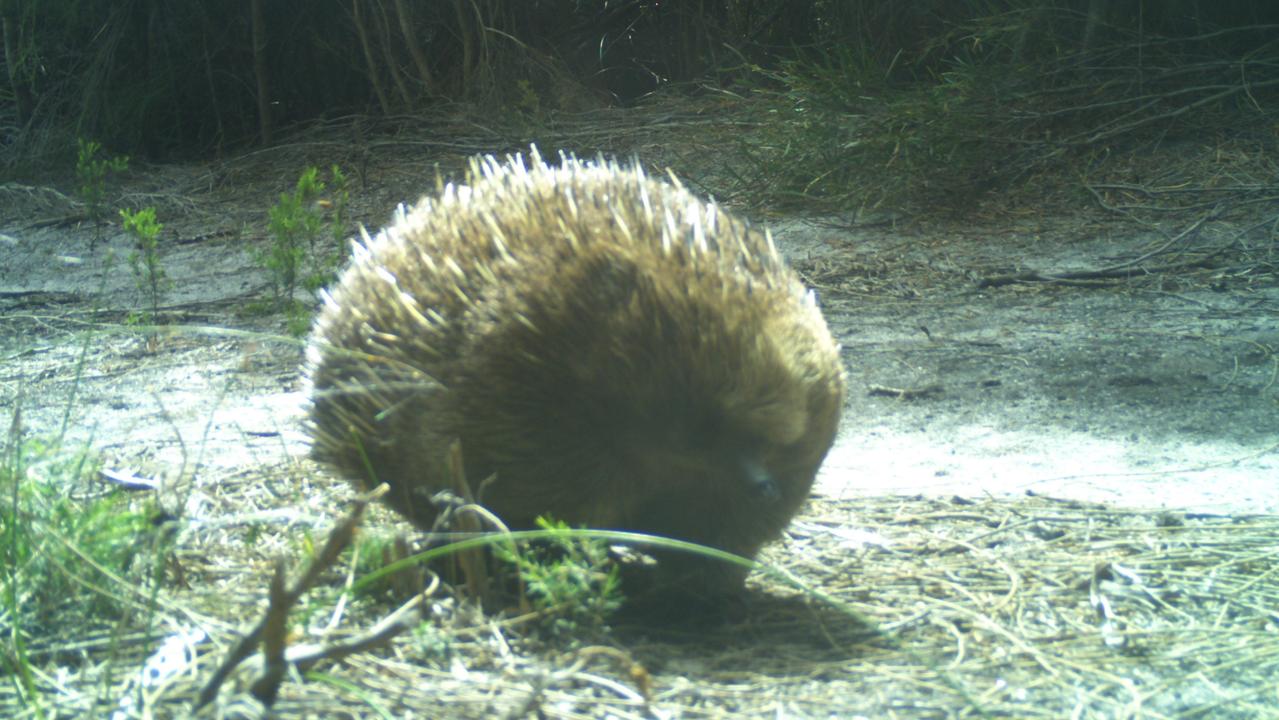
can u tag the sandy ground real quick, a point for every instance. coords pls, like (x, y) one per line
(1143, 397)
(1138, 394)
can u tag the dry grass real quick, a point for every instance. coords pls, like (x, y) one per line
(1023, 608)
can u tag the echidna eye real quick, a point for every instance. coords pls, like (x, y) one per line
(758, 480)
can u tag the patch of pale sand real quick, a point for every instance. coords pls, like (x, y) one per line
(975, 460)
(969, 460)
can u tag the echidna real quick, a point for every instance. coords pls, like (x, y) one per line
(613, 351)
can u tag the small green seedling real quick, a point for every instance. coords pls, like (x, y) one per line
(91, 172)
(571, 581)
(145, 260)
(295, 256)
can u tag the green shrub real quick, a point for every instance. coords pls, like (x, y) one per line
(841, 135)
(296, 255)
(91, 173)
(570, 580)
(64, 551)
(149, 275)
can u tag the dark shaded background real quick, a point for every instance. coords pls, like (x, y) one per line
(164, 79)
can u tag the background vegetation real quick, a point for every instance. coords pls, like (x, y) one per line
(953, 96)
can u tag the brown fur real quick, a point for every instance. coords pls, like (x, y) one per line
(617, 353)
